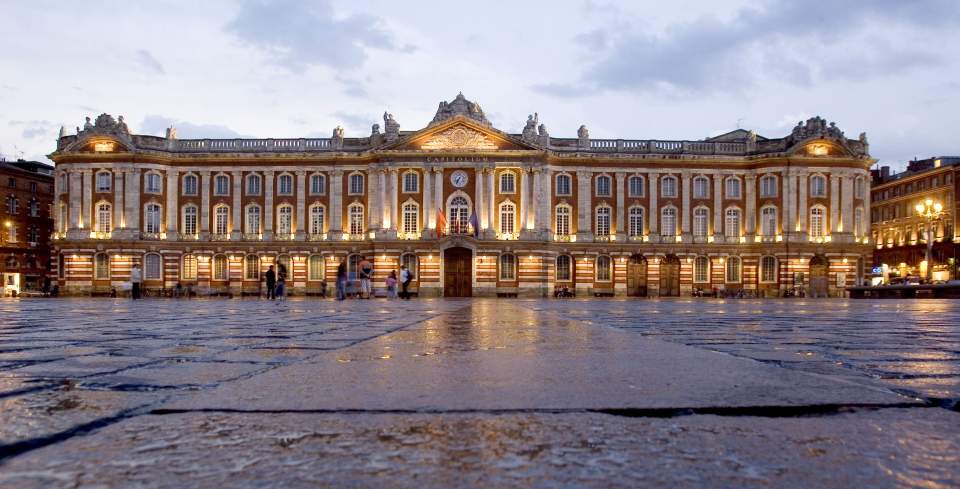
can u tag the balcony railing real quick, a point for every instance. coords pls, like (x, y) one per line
(565, 238)
(508, 236)
(188, 237)
(604, 238)
(410, 236)
(252, 236)
(317, 237)
(100, 235)
(284, 236)
(153, 236)
(220, 237)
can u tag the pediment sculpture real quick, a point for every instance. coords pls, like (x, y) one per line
(459, 137)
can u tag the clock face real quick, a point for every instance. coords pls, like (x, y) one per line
(459, 178)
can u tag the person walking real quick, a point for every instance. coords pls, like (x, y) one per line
(281, 290)
(366, 272)
(392, 285)
(406, 276)
(271, 283)
(136, 278)
(342, 281)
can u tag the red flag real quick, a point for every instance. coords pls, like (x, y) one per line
(441, 223)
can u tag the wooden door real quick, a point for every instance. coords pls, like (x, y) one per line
(457, 272)
(670, 277)
(818, 276)
(637, 276)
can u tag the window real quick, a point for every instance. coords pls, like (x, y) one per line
(34, 208)
(221, 220)
(316, 268)
(564, 268)
(701, 221)
(635, 184)
(152, 267)
(603, 221)
(668, 187)
(355, 213)
(189, 270)
(603, 186)
(731, 226)
(410, 261)
(285, 220)
(103, 181)
(508, 267)
(411, 218)
(458, 216)
(411, 182)
(356, 184)
(152, 183)
(317, 217)
(33, 187)
(701, 187)
(33, 235)
(508, 183)
(104, 216)
(858, 188)
(858, 222)
(768, 186)
(221, 185)
(564, 186)
(190, 185)
(635, 226)
(285, 185)
(668, 221)
(190, 219)
(768, 221)
(252, 267)
(220, 270)
(603, 268)
(562, 220)
(12, 234)
(768, 269)
(733, 188)
(817, 221)
(101, 266)
(253, 219)
(13, 205)
(818, 186)
(12, 182)
(507, 218)
(701, 270)
(253, 184)
(318, 184)
(151, 218)
(733, 269)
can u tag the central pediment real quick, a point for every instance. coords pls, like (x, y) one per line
(459, 134)
(459, 137)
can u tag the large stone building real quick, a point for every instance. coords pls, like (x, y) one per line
(26, 188)
(473, 210)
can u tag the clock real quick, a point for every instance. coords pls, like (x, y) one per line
(459, 178)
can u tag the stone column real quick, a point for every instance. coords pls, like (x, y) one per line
(654, 211)
(834, 203)
(717, 206)
(536, 197)
(394, 207)
(118, 221)
(75, 197)
(479, 198)
(801, 183)
(846, 204)
(336, 202)
(751, 212)
(785, 214)
(237, 188)
(584, 199)
(429, 214)
(621, 206)
(685, 202)
(524, 200)
(173, 211)
(545, 221)
(438, 189)
(375, 196)
(87, 209)
(204, 204)
(867, 212)
(491, 174)
(268, 205)
(301, 233)
(131, 200)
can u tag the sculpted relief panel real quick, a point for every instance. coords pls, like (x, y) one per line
(459, 138)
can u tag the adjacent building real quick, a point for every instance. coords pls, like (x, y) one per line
(473, 210)
(26, 188)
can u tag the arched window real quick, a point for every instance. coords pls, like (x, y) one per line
(701, 270)
(318, 184)
(732, 188)
(858, 228)
(603, 268)
(768, 269)
(508, 183)
(189, 269)
(412, 263)
(564, 268)
(458, 215)
(411, 217)
(103, 181)
(733, 270)
(668, 186)
(507, 218)
(411, 182)
(564, 186)
(356, 184)
(221, 185)
(818, 186)
(190, 219)
(220, 270)
(316, 268)
(253, 184)
(768, 186)
(152, 267)
(701, 187)
(152, 183)
(817, 221)
(285, 185)
(603, 186)
(221, 219)
(603, 221)
(34, 208)
(768, 221)
(636, 224)
(253, 219)
(152, 215)
(355, 213)
(859, 188)
(701, 222)
(317, 218)
(285, 220)
(251, 267)
(104, 217)
(731, 226)
(101, 266)
(635, 186)
(668, 221)
(508, 267)
(190, 184)
(13, 205)
(563, 220)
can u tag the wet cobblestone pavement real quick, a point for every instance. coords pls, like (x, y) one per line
(479, 393)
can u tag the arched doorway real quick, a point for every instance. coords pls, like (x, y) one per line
(457, 272)
(670, 276)
(637, 276)
(818, 276)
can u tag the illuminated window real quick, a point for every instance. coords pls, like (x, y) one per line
(355, 213)
(603, 186)
(220, 270)
(411, 218)
(636, 186)
(563, 220)
(285, 220)
(412, 263)
(190, 220)
(768, 269)
(701, 221)
(603, 221)
(635, 225)
(104, 218)
(221, 219)
(564, 268)
(701, 269)
(411, 182)
(285, 185)
(817, 221)
(701, 187)
(189, 270)
(101, 266)
(564, 186)
(508, 267)
(507, 218)
(316, 268)
(252, 267)
(317, 217)
(731, 226)
(458, 214)
(13, 205)
(668, 221)
(152, 215)
(768, 221)
(603, 269)
(733, 270)
(508, 183)
(152, 267)
(318, 184)
(253, 219)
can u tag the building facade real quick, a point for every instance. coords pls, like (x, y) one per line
(474, 211)
(27, 191)
(899, 234)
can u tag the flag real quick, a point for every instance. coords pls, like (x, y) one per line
(441, 223)
(475, 223)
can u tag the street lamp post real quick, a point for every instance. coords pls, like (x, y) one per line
(932, 212)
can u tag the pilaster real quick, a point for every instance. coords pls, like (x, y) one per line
(301, 233)
(685, 202)
(204, 205)
(336, 202)
(237, 188)
(87, 209)
(654, 211)
(718, 206)
(751, 212)
(621, 206)
(131, 199)
(584, 198)
(119, 223)
(268, 205)
(173, 210)
(834, 203)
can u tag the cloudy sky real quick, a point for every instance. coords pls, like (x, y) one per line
(684, 69)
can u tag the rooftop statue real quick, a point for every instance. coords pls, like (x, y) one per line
(459, 106)
(530, 128)
(583, 132)
(122, 126)
(87, 125)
